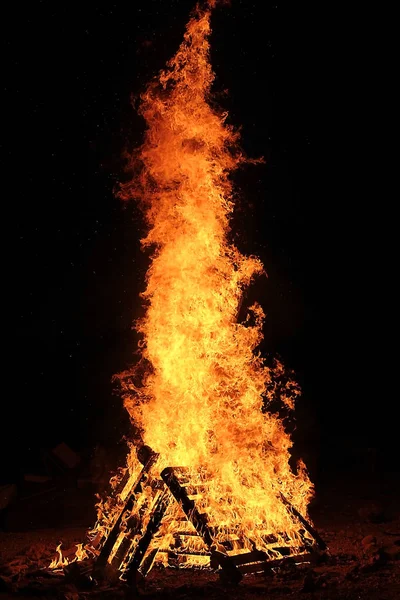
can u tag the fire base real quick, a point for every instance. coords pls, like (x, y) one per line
(128, 548)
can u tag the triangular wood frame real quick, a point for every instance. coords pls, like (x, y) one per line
(127, 546)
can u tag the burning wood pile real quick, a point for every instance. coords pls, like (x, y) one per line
(208, 483)
(156, 520)
(218, 490)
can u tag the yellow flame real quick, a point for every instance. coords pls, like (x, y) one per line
(60, 561)
(203, 400)
(200, 401)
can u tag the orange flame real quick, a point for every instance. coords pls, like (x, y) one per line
(200, 401)
(60, 561)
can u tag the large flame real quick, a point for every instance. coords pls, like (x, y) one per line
(200, 402)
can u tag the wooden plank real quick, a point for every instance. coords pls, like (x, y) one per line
(199, 521)
(259, 567)
(124, 513)
(248, 557)
(307, 526)
(255, 568)
(158, 511)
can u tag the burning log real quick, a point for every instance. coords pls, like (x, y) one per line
(123, 522)
(199, 521)
(136, 559)
(307, 526)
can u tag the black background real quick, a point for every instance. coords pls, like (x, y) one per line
(306, 86)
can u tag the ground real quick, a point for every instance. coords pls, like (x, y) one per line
(359, 518)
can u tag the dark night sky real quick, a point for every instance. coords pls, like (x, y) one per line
(303, 88)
